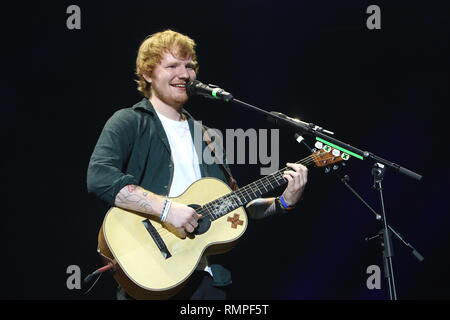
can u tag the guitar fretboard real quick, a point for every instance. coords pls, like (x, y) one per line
(233, 200)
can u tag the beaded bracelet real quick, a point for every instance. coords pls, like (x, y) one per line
(165, 211)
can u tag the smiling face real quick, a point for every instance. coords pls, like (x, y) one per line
(168, 80)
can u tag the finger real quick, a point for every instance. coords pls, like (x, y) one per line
(295, 181)
(290, 172)
(181, 233)
(194, 224)
(296, 166)
(288, 178)
(188, 227)
(294, 175)
(193, 218)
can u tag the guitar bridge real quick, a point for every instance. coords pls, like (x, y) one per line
(157, 238)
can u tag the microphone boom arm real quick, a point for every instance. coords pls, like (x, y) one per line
(320, 134)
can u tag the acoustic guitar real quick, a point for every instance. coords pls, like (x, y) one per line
(152, 262)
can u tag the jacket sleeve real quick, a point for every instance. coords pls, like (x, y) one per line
(105, 174)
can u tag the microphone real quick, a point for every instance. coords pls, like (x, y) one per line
(207, 90)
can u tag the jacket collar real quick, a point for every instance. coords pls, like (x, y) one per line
(146, 105)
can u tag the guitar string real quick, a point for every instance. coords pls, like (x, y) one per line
(209, 206)
(258, 184)
(250, 188)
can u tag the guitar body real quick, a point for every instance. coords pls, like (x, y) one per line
(152, 262)
(141, 268)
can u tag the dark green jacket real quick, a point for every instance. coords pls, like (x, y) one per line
(133, 149)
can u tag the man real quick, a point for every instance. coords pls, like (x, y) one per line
(146, 153)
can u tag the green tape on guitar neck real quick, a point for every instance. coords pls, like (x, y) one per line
(340, 148)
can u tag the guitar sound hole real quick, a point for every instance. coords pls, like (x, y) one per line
(203, 226)
(203, 223)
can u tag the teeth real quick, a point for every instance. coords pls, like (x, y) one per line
(179, 85)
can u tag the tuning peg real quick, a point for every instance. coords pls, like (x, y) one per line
(335, 167)
(299, 138)
(336, 153)
(327, 169)
(318, 145)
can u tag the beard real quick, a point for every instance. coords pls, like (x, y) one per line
(169, 98)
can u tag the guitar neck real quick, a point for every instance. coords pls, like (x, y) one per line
(221, 206)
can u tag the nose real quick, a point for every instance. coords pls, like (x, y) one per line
(183, 73)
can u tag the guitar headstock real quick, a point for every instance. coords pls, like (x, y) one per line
(326, 155)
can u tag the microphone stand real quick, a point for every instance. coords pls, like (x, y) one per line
(320, 134)
(384, 236)
(378, 171)
(345, 179)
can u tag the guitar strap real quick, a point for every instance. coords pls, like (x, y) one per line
(231, 181)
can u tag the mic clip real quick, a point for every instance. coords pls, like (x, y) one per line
(219, 93)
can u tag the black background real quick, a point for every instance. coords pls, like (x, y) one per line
(385, 91)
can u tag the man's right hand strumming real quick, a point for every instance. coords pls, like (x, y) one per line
(183, 218)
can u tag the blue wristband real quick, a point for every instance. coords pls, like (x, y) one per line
(284, 204)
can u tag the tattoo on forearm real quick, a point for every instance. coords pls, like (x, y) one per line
(131, 188)
(132, 197)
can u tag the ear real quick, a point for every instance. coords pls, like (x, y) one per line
(147, 78)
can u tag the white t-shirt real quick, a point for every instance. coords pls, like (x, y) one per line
(185, 161)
